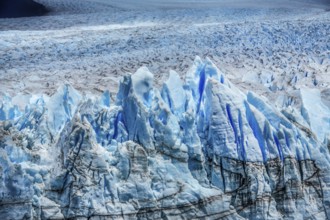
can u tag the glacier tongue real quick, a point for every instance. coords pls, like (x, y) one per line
(194, 149)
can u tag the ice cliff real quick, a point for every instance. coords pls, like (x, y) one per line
(198, 148)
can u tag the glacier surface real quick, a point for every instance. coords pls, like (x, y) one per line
(193, 148)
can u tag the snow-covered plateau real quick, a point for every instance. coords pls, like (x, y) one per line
(226, 114)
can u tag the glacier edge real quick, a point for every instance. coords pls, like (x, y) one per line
(194, 149)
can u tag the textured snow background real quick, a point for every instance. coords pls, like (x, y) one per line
(91, 43)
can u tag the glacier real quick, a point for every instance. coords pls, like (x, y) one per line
(193, 148)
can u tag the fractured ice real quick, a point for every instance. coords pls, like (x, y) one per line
(193, 148)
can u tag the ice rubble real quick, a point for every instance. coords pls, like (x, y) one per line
(198, 148)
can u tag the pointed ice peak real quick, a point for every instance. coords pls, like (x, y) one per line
(8, 110)
(62, 106)
(194, 73)
(204, 67)
(105, 99)
(66, 92)
(174, 76)
(4, 97)
(65, 98)
(142, 84)
(142, 80)
(124, 89)
(39, 100)
(174, 94)
(273, 115)
(202, 70)
(198, 75)
(212, 71)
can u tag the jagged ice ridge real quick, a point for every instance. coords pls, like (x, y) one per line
(192, 149)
